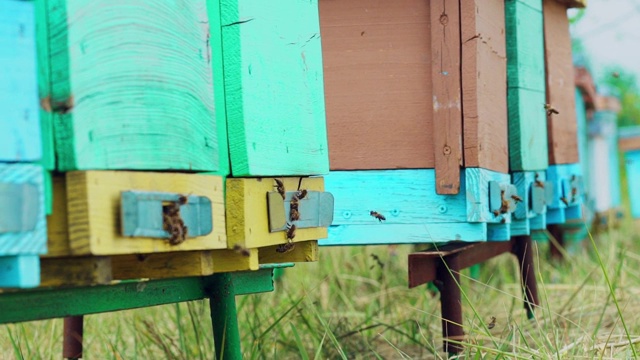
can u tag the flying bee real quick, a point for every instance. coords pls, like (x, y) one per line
(550, 110)
(285, 248)
(241, 250)
(492, 324)
(291, 232)
(615, 74)
(564, 200)
(516, 198)
(377, 215)
(280, 187)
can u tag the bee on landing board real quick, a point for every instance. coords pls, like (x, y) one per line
(516, 198)
(550, 110)
(377, 215)
(291, 232)
(280, 188)
(241, 250)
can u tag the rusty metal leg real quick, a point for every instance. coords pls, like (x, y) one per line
(448, 279)
(72, 337)
(556, 249)
(522, 248)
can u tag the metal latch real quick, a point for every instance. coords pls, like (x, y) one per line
(142, 214)
(315, 210)
(21, 207)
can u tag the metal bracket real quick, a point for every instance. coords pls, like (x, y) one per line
(20, 204)
(316, 210)
(499, 192)
(141, 214)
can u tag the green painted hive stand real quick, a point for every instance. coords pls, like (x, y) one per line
(221, 289)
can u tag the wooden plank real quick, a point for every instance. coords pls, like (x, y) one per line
(445, 85)
(163, 265)
(48, 160)
(563, 148)
(230, 260)
(484, 84)
(583, 136)
(151, 104)
(632, 165)
(274, 87)
(57, 221)
(629, 144)
(20, 135)
(528, 149)
(21, 271)
(35, 240)
(377, 72)
(248, 218)
(586, 85)
(306, 251)
(387, 234)
(75, 271)
(93, 205)
(574, 3)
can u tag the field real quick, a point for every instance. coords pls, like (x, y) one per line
(354, 304)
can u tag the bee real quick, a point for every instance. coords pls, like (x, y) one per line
(503, 220)
(574, 193)
(564, 200)
(504, 206)
(183, 200)
(291, 232)
(241, 250)
(280, 188)
(301, 194)
(550, 110)
(492, 324)
(516, 198)
(538, 183)
(379, 262)
(615, 74)
(294, 214)
(377, 215)
(285, 248)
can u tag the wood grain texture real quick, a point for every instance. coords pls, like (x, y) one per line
(27, 242)
(247, 214)
(19, 121)
(484, 84)
(528, 148)
(386, 234)
(57, 221)
(21, 271)
(305, 251)
(377, 74)
(274, 87)
(131, 85)
(48, 160)
(632, 165)
(75, 271)
(563, 147)
(162, 265)
(446, 91)
(93, 210)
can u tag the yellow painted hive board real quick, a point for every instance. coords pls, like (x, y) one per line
(247, 214)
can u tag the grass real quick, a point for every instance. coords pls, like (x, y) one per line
(354, 304)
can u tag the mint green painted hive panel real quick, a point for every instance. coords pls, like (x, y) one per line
(46, 120)
(274, 87)
(526, 80)
(131, 85)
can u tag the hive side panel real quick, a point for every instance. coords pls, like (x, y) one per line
(274, 88)
(131, 86)
(377, 73)
(484, 85)
(526, 85)
(563, 147)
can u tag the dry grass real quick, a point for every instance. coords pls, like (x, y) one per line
(350, 305)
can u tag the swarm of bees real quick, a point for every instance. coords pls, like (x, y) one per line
(172, 221)
(294, 214)
(377, 216)
(550, 110)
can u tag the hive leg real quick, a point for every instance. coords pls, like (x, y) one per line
(522, 248)
(448, 280)
(556, 247)
(224, 317)
(72, 337)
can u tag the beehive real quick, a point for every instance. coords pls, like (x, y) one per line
(629, 144)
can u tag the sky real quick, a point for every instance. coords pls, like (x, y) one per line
(610, 32)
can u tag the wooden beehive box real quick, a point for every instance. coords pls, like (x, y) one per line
(416, 102)
(564, 162)
(22, 200)
(211, 86)
(629, 144)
